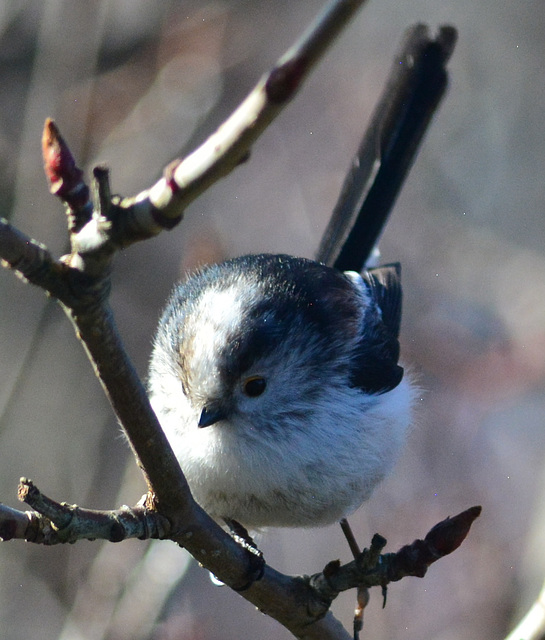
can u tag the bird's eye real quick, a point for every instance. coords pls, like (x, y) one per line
(254, 386)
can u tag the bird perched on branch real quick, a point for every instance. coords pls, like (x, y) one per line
(276, 380)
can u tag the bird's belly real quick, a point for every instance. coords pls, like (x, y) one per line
(276, 489)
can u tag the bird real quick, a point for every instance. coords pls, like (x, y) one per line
(277, 382)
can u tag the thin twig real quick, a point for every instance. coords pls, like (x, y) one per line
(162, 206)
(52, 522)
(372, 569)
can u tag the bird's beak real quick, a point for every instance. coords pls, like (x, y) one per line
(211, 414)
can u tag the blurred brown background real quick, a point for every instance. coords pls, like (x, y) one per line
(134, 84)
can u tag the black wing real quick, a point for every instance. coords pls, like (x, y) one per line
(384, 284)
(375, 367)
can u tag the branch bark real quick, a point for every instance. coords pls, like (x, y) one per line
(162, 205)
(300, 603)
(52, 522)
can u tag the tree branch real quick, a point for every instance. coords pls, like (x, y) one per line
(162, 205)
(53, 523)
(371, 569)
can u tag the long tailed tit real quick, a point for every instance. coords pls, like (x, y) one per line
(276, 380)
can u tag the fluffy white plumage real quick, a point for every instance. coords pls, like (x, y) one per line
(308, 443)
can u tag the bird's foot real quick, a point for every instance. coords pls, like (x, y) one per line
(256, 567)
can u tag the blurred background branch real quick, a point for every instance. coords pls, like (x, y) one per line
(532, 625)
